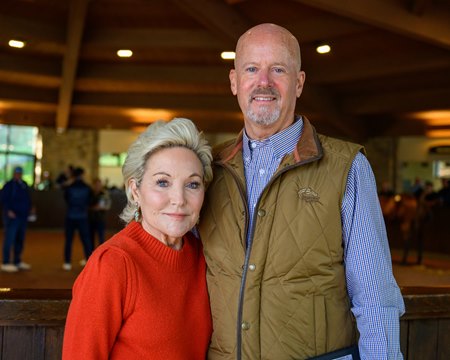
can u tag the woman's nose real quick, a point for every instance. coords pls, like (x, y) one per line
(177, 196)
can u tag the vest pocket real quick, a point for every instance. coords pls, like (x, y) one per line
(320, 324)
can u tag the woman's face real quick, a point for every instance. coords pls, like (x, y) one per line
(170, 194)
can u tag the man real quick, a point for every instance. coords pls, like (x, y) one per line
(16, 203)
(78, 196)
(292, 230)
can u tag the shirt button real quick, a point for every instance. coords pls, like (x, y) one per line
(262, 171)
(253, 145)
(252, 267)
(261, 212)
(245, 325)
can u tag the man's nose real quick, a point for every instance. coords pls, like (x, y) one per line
(264, 78)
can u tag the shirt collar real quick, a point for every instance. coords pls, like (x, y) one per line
(282, 143)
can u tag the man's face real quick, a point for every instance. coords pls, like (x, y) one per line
(267, 82)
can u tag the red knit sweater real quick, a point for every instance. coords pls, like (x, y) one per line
(139, 299)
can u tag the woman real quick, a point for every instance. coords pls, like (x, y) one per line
(142, 294)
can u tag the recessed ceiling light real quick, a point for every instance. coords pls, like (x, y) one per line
(228, 55)
(124, 53)
(16, 43)
(323, 49)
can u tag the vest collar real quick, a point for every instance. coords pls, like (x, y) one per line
(308, 147)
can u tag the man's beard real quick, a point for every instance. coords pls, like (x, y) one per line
(264, 116)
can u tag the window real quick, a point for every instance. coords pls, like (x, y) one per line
(110, 168)
(17, 148)
(112, 160)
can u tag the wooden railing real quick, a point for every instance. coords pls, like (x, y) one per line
(32, 323)
(425, 327)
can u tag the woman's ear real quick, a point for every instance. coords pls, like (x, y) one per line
(132, 183)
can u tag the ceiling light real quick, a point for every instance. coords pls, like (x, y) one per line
(438, 133)
(323, 49)
(124, 53)
(16, 43)
(147, 116)
(228, 55)
(434, 118)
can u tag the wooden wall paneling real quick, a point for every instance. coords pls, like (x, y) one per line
(422, 344)
(53, 342)
(443, 339)
(23, 342)
(1, 342)
(404, 329)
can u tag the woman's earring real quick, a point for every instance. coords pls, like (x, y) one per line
(137, 213)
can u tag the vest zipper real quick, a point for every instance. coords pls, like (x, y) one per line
(250, 242)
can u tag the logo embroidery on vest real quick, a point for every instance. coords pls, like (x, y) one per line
(309, 195)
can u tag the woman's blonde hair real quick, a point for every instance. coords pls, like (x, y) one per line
(178, 132)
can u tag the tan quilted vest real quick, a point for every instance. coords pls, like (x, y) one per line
(294, 302)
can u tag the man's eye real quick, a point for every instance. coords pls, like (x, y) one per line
(251, 69)
(279, 70)
(194, 185)
(162, 183)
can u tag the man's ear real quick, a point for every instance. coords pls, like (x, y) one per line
(301, 76)
(233, 84)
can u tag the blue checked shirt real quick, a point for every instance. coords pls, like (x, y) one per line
(374, 294)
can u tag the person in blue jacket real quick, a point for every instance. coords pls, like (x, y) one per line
(78, 196)
(16, 203)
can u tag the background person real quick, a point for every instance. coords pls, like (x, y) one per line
(78, 197)
(65, 177)
(16, 203)
(426, 202)
(292, 230)
(143, 294)
(97, 212)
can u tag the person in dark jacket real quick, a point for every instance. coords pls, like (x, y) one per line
(97, 212)
(16, 202)
(78, 196)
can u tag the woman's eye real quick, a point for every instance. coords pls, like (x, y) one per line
(162, 183)
(194, 185)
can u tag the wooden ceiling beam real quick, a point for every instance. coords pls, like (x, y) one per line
(26, 64)
(418, 7)
(77, 17)
(432, 27)
(364, 68)
(218, 17)
(33, 80)
(318, 99)
(158, 101)
(29, 30)
(133, 72)
(13, 92)
(151, 87)
(151, 37)
(126, 118)
(397, 102)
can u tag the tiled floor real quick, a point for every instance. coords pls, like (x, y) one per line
(44, 251)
